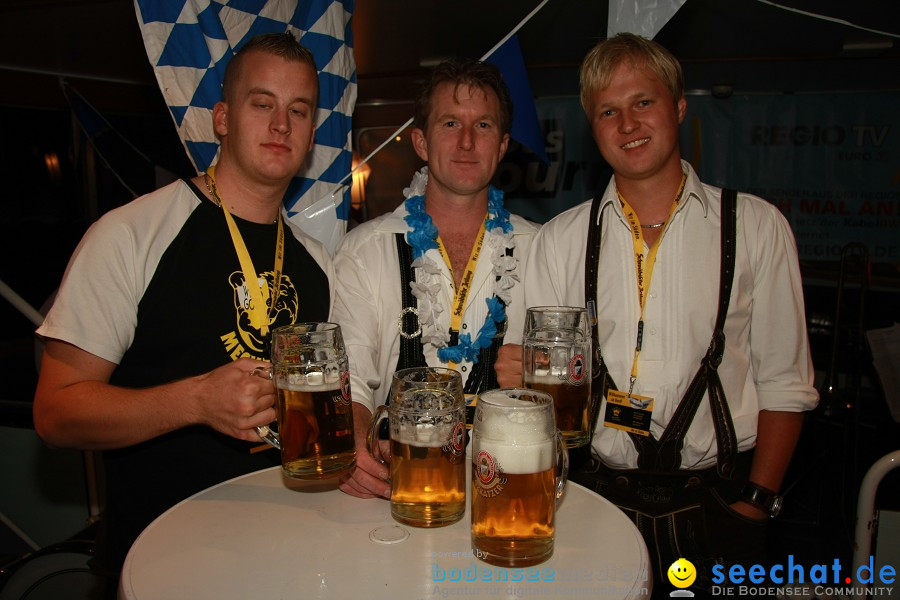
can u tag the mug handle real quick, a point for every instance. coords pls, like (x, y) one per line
(265, 433)
(562, 466)
(372, 437)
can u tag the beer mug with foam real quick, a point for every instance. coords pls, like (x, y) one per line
(519, 469)
(315, 415)
(556, 351)
(427, 425)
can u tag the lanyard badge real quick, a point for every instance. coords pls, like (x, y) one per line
(260, 313)
(628, 411)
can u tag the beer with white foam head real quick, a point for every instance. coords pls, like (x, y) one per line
(427, 427)
(519, 469)
(315, 416)
(315, 424)
(556, 358)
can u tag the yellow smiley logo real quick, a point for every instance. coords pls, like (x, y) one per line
(682, 573)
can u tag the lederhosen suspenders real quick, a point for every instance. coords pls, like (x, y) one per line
(482, 376)
(411, 354)
(664, 455)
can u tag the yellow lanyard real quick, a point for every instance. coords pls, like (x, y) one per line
(644, 268)
(259, 314)
(465, 284)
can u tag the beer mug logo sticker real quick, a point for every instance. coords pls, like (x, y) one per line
(576, 372)
(345, 388)
(490, 480)
(457, 442)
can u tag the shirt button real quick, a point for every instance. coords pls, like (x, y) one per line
(653, 331)
(465, 326)
(463, 369)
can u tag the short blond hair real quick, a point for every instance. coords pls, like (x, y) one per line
(601, 62)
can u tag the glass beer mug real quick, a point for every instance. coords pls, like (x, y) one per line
(427, 426)
(315, 414)
(519, 469)
(556, 358)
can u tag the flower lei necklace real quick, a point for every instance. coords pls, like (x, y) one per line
(427, 285)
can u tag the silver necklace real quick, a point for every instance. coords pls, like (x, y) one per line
(653, 226)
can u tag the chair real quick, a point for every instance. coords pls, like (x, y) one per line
(60, 570)
(866, 515)
(57, 571)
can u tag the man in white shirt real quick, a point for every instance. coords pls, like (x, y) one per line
(700, 482)
(157, 326)
(465, 255)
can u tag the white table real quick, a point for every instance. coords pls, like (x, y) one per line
(264, 536)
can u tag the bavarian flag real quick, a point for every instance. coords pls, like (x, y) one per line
(189, 43)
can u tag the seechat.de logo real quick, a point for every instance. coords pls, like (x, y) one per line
(790, 578)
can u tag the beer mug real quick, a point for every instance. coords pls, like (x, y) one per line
(557, 359)
(519, 468)
(427, 425)
(315, 415)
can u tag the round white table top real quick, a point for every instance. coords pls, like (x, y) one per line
(264, 536)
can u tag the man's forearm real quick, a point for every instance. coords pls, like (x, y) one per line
(776, 438)
(76, 407)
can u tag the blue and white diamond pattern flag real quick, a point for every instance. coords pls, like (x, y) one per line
(189, 43)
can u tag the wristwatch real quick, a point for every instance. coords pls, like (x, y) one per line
(762, 498)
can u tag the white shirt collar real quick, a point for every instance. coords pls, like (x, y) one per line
(693, 190)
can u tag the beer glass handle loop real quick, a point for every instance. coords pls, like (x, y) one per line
(562, 466)
(264, 432)
(372, 444)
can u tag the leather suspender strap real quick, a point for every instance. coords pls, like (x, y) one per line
(665, 454)
(707, 378)
(601, 381)
(482, 376)
(411, 354)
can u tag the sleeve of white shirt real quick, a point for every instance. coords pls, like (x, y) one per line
(554, 274)
(779, 345)
(523, 235)
(96, 306)
(356, 309)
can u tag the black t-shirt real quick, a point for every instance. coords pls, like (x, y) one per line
(191, 320)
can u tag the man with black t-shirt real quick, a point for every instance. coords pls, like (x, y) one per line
(168, 303)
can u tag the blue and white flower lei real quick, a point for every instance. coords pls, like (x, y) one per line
(427, 285)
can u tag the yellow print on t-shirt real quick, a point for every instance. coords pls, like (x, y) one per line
(248, 330)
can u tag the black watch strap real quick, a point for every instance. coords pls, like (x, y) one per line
(762, 498)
